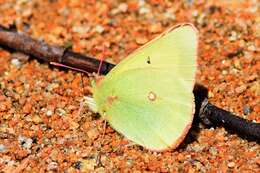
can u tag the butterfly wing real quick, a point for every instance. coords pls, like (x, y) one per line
(148, 97)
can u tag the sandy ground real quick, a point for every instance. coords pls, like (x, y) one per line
(41, 129)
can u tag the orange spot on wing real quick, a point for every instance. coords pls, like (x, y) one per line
(99, 80)
(111, 99)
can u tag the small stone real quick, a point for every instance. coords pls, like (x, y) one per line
(198, 148)
(52, 166)
(123, 7)
(213, 151)
(252, 48)
(170, 15)
(224, 72)
(77, 165)
(195, 13)
(49, 113)
(100, 29)
(141, 40)
(25, 142)
(36, 119)
(93, 133)
(246, 110)
(60, 111)
(231, 164)
(144, 10)
(210, 94)
(255, 87)
(2, 147)
(88, 165)
(237, 64)
(156, 28)
(52, 86)
(20, 56)
(100, 170)
(74, 125)
(16, 62)
(54, 154)
(240, 89)
(233, 36)
(80, 29)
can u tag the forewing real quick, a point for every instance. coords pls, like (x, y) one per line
(176, 48)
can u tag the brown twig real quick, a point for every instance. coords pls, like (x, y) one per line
(208, 113)
(50, 53)
(211, 115)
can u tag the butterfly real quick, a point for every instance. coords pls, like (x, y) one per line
(148, 97)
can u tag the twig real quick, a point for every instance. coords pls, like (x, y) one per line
(50, 53)
(213, 116)
(208, 113)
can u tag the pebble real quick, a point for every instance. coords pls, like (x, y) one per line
(49, 113)
(224, 72)
(141, 40)
(23, 58)
(100, 29)
(77, 164)
(123, 7)
(25, 142)
(81, 29)
(52, 86)
(195, 13)
(88, 165)
(2, 147)
(16, 62)
(156, 28)
(240, 89)
(144, 10)
(233, 36)
(36, 119)
(231, 164)
(61, 111)
(52, 166)
(246, 109)
(93, 133)
(255, 87)
(251, 48)
(74, 125)
(213, 151)
(170, 15)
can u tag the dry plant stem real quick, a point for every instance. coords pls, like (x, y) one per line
(214, 116)
(209, 114)
(50, 53)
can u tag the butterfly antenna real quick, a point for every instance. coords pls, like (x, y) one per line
(69, 67)
(101, 60)
(82, 83)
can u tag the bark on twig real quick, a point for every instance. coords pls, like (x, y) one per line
(211, 115)
(50, 53)
(208, 113)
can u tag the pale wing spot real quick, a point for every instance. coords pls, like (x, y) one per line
(152, 96)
